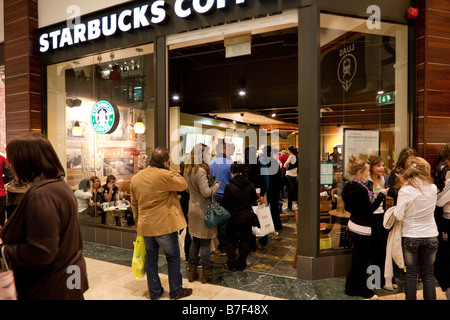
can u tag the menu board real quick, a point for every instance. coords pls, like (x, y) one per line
(326, 172)
(360, 143)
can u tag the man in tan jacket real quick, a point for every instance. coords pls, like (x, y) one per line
(159, 218)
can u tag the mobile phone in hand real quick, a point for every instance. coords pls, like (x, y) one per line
(211, 180)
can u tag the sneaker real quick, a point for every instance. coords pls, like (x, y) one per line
(185, 292)
(374, 297)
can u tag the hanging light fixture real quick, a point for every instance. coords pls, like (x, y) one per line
(241, 85)
(139, 126)
(76, 130)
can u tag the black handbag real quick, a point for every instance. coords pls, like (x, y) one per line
(215, 213)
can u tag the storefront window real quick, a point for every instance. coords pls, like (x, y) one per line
(100, 120)
(363, 109)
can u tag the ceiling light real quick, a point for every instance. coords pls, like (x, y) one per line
(274, 115)
(380, 92)
(175, 97)
(234, 121)
(242, 92)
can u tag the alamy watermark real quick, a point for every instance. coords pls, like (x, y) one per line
(74, 280)
(254, 137)
(374, 20)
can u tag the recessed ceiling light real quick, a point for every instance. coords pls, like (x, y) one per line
(274, 115)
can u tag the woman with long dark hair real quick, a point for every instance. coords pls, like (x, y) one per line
(42, 238)
(405, 155)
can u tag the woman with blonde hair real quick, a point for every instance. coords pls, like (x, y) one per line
(361, 203)
(415, 208)
(379, 236)
(196, 173)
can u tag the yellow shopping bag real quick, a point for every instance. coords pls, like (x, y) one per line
(138, 262)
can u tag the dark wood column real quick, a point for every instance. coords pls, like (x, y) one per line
(23, 81)
(432, 115)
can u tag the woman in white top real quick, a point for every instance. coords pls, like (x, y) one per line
(415, 208)
(291, 166)
(84, 195)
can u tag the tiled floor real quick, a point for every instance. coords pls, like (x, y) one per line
(269, 275)
(110, 281)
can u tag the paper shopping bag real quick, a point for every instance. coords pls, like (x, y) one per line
(265, 221)
(7, 285)
(138, 262)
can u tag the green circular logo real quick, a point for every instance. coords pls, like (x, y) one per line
(104, 117)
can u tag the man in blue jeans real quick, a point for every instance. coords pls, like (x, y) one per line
(159, 218)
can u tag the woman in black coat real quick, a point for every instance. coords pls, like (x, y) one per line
(238, 198)
(361, 204)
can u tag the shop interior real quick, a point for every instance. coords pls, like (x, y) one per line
(245, 82)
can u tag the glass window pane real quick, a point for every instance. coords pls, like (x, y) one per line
(362, 112)
(100, 120)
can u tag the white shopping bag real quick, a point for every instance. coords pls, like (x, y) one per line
(265, 221)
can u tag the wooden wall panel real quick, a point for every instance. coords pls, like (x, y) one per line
(22, 68)
(438, 77)
(438, 50)
(432, 114)
(438, 130)
(438, 4)
(438, 103)
(437, 22)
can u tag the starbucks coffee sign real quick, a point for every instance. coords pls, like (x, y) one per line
(105, 117)
(147, 14)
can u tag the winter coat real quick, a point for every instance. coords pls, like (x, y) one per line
(154, 199)
(357, 202)
(238, 198)
(394, 249)
(42, 240)
(199, 198)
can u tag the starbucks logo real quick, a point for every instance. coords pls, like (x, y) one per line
(105, 117)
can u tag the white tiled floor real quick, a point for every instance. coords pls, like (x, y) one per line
(109, 281)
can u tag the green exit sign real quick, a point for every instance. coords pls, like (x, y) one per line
(386, 98)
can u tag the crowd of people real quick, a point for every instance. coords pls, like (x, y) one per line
(91, 194)
(164, 202)
(202, 180)
(419, 207)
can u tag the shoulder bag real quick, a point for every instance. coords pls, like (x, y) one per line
(7, 285)
(215, 213)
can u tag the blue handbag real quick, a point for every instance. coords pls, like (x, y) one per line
(215, 214)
